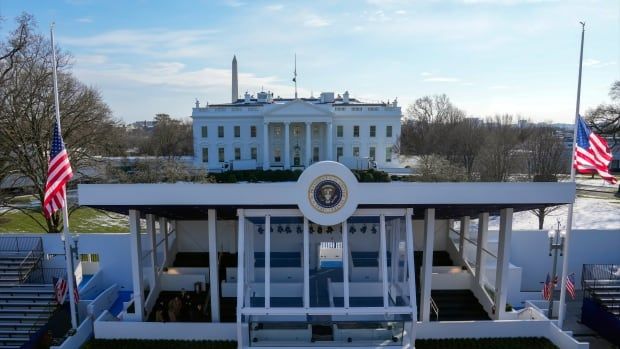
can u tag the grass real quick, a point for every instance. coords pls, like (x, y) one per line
(487, 343)
(82, 220)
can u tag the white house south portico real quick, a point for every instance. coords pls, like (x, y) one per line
(328, 260)
(309, 141)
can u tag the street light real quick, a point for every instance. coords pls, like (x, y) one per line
(556, 243)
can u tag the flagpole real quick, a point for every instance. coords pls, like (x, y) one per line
(569, 218)
(65, 213)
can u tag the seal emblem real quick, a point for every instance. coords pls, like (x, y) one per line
(327, 194)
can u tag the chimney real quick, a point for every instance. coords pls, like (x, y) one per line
(235, 83)
(345, 97)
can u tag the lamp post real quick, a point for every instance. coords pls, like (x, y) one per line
(71, 254)
(556, 243)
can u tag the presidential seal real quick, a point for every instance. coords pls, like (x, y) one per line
(327, 194)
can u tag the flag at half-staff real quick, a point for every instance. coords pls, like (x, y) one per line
(592, 154)
(570, 285)
(58, 174)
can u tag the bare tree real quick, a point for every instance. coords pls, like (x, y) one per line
(171, 137)
(497, 157)
(605, 118)
(27, 114)
(546, 154)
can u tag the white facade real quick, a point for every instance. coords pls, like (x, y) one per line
(282, 133)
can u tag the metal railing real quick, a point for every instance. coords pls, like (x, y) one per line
(45, 275)
(20, 244)
(435, 308)
(601, 283)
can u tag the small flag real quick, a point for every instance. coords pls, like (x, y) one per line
(570, 285)
(76, 292)
(546, 291)
(60, 288)
(592, 154)
(58, 174)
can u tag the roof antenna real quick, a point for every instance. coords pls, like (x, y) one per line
(295, 76)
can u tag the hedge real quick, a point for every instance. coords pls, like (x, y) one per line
(157, 344)
(254, 176)
(486, 343)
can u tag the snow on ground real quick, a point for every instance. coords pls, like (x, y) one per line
(588, 213)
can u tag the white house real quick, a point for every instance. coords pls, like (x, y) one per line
(292, 133)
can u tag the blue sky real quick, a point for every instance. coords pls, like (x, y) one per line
(488, 56)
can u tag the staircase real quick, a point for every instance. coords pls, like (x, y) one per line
(26, 297)
(458, 305)
(601, 283)
(23, 310)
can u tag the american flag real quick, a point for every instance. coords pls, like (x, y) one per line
(58, 174)
(60, 287)
(570, 285)
(592, 154)
(546, 291)
(76, 293)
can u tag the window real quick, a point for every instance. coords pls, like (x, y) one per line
(237, 131)
(205, 154)
(84, 257)
(388, 131)
(253, 153)
(220, 131)
(315, 154)
(356, 151)
(340, 108)
(205, 131)
(371, 153)
(388, 154)
(373, 131)
(253, 131)
(339, 152)
(220, 154)
(356, 131)
(237, 153)
(339, 130)
(296, 130)
(356, 109)
(89, 257)
(94, 257)
(277, 155)
(373, 109)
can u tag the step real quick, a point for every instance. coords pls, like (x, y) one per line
(20, 318)
(27, 305)
(26, 290)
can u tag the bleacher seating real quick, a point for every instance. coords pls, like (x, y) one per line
(23, 310)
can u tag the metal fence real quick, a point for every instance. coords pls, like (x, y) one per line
(20, 244)
(601, 283)
(45, 275)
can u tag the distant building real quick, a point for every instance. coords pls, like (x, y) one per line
(144, 125)
(288, 133)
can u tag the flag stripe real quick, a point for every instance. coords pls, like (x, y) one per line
(59, 172)
(592, 154)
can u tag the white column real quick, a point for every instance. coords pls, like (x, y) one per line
(213, 266)
(150, 231)
(240, 274)
(481, 245)
(503, 259)
(306, 264)
(462, 233)
(427, 266)
(136, 263)
(267, 261)
(163, 230)
(394, 265)
(330, 141)
(287, 146)
(383, 257)
(266, 146)
(345, 262)
(411, 269)
(308, 143)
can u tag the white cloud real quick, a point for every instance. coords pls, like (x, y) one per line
(425, 73)
(84, 20)
(595, 63)
(499, 87)
(401, 12)
(91, 59)
(315, 21)
(506, 2)
(441, 79)
(275, 7)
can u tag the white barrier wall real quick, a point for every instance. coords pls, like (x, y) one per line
(165, 330)
(113, 250)
(83, 334)
(103, 302)
(530, 251)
